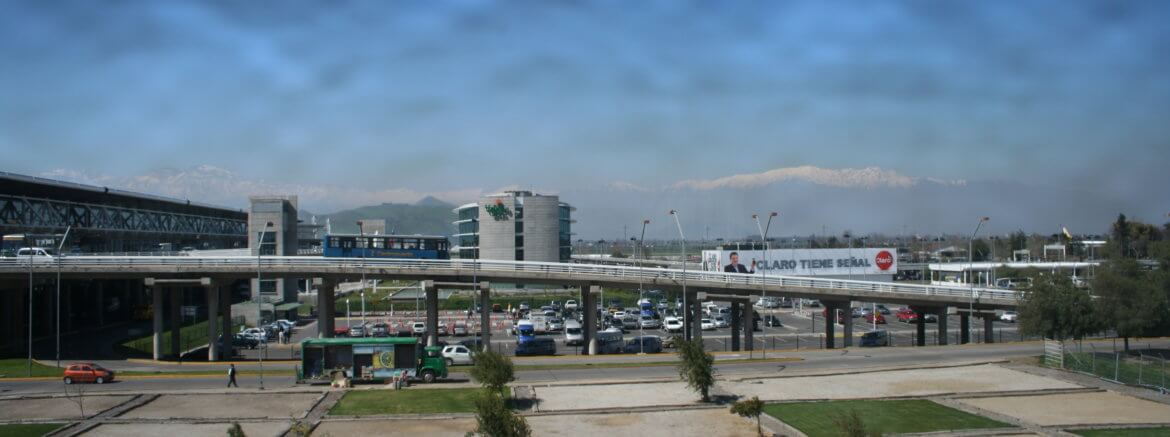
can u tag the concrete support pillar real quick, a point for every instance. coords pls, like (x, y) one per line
(432, 302)
(589, 306)
(325, 287)
(942, 326)
(847, 314)
(67, 308)
(485, 316)
(697, 316)
(920, 325)
(101, 303)
(749, 333)
(225, 311)
(213, 322)
(735, 324)
(830, 324)
(988, 329)
(176, 295)
(156, 308)
(964, 328)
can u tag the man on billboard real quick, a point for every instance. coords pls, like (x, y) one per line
(736, 267)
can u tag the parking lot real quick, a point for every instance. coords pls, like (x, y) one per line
(800, 329)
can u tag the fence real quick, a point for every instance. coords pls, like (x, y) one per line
(1141, 367)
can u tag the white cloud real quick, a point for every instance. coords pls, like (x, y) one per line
(867, 178)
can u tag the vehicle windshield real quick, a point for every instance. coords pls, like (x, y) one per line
(526, 331)
(573, 330)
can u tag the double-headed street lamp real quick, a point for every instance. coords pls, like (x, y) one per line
(259, 291)
(763, 273)
(971, 262)
(641, 293)
(685, 308)
(365, 247)
(60, 254)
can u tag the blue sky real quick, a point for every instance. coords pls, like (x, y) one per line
(442, 97)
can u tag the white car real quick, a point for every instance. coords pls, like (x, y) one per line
(706, 325)
(571, 305)
(648, 322)
(721, 322)
(35, 254)
(457, 354)
(257, 334)
(573, 333)
(673, 324)
(286, 324)
(418, 328)
(1009, 316)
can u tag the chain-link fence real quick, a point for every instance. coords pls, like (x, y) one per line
(1145, 367)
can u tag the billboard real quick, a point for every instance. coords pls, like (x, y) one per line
(807, 262)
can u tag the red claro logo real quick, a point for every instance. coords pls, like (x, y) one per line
(884, 260)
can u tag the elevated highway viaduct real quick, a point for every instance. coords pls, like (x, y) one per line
(216, 273)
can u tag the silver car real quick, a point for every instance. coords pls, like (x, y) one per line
(648, 322)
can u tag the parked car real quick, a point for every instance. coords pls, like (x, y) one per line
(340, 331)
(537, 346)
(814, 303)
(571, 305)
(460, 328)
(257, 334)
(380, 330)
(574, 335)
(87, 372)
(240, 341)
(1009, 316)
(875, 338)
(457, 354)
(772, 321)
(721, 322)
(472, 343)
(649, 322)
(650, 344)
(497, 308)
(673, 324)
(609, 342)
(442, 329)
(556, 324)
(706, 325)
(907, 315)
(882, 309)
(286, 324)
(357, 331)
(856, 312)
(866, 311)
(418, 328)
(881, 320)
(524, 307)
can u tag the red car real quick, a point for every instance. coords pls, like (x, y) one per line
(87, 372)
(341, 332)
(907, 315)
(881, 320)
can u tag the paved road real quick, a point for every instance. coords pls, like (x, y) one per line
(812, 360)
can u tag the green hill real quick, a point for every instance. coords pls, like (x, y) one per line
(429, 216)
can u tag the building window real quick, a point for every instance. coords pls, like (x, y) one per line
(268, 286)
(363, 242)
(519, 254)
(519, 241)
(268, 244)
(379, 243)
(519, 227)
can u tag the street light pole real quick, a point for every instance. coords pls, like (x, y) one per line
(763, 273)
(31, 252)
(259, 307)
(686, 309)
(59, 255)
(365, 248)
(971, 267)
(641, 294)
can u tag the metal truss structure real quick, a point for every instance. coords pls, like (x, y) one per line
(33, 214)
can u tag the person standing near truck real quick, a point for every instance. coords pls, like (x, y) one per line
(232, 376)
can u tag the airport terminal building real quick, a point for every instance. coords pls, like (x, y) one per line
(515, 225)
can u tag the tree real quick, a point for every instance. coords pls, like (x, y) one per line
(850, 425)
(1018, 241)
(493, 418)
(696, 367)
(235, 430)
(493, 370)
(980, 251)
(1121, 235)
(1131, 301)
(1055, 308)
(750, 408)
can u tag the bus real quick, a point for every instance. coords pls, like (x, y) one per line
(369, 358)
(386, 246)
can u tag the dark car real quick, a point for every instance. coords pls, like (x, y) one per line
(875, 338)
(537, 346)
(883, 310)
(650, 344)
(404, 332)
(239, 341)
(772, 321)
(380, 330)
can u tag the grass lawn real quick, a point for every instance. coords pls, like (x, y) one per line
(18, 368)
(642, 364)
(28, 429)
(1129, 432)
(1131, 371)
(409, 401)
(192, 336)
(886, 417)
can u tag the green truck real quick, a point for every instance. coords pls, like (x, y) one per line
(369, 358)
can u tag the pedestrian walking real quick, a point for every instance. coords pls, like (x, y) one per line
(232, 376)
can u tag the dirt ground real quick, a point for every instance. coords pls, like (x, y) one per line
(1076, 409)
(708, 423)
(580, 397)
(234, 406)
(917, 382)
(257, 429)
(56, 408)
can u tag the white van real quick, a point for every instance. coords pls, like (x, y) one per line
(574, 335)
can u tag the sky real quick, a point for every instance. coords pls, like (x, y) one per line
(398, 100)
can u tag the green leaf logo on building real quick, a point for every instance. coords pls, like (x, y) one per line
(498, 210)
